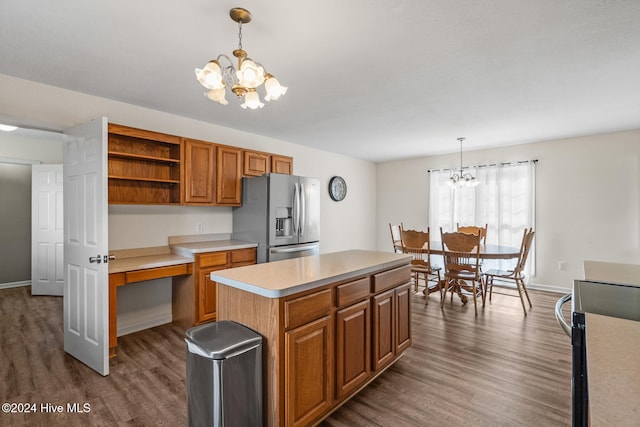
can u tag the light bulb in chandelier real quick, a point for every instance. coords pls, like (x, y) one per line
(250, 74)
(210, 76)
(252, 100)
(217, 95)
(273, 87)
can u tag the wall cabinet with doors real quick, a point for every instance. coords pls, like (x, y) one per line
(281, 164)
(199, 161)
(228, 175)
(195, 296)
(325, 344)
(147, 167)
(255, 163)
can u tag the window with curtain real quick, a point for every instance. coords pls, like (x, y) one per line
(504, 200)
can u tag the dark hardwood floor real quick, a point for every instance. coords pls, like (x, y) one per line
(498, 369)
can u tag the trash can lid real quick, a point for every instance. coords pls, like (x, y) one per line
(221, 340)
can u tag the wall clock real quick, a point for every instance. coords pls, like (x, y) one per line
(337, 188)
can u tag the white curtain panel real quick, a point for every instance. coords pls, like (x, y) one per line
(504, 199)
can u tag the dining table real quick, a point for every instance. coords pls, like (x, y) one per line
(486, 252)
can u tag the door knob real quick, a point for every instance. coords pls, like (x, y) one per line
(96, 259)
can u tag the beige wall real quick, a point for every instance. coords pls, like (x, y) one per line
(588, 199)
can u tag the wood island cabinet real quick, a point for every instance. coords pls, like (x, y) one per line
(195, 296)
(353, 336)
(324, 345)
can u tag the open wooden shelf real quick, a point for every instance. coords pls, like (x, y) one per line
(144, 167)
(168, 181)
(122, 155)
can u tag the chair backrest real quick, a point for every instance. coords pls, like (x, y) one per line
(527, 238)
(461, 252)
(417, 244)
(474, 229)
(396, 239)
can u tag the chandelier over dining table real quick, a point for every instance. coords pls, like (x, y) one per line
(462, 179)
(220, 74)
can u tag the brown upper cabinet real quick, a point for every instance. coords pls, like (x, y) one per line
(281, 164)
(255, 163)
(200, 164)
(228, 175)
(144, 167)
(147, 167)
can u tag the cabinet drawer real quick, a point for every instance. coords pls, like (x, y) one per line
(391, 278)
(353, 291)
(213, 259)
(306, 309)
(243, 256)
(157, 273)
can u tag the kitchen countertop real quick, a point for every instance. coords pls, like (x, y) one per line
(164, 256)
(613, 370)
(144, 258)
(190, 248)
(281, 278)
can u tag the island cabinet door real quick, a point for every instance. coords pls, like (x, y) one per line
(206, 289)
(403, 317)
(384, 344)
(308, 379)
(353, 347)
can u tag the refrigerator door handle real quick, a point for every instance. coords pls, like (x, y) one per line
(303, 212)
(296, 208)
(298, 248)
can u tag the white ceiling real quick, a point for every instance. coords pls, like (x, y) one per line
(377, 79)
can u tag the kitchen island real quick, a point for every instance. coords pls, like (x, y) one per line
(331, 324)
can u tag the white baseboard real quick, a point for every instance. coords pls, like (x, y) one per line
(548, 288)
(14, 284)
(142, 324)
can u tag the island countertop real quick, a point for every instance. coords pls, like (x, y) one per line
(281, 278)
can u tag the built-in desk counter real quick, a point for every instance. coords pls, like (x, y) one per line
(175, 261)
(331, 324)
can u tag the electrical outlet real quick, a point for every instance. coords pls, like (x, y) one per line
(199, 227)
(562, 265)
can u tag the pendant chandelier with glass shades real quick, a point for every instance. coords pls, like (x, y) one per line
(242, 81)
(459, 180)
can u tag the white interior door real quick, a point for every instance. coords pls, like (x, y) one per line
(47, 260)
(86, 284)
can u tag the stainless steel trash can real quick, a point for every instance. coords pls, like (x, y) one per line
(224, 375)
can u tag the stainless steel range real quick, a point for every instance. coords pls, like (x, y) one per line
(609, 289)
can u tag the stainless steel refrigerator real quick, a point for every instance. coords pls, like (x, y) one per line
(281, 213)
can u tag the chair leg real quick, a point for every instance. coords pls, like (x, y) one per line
(444, 293)
(490, 288)
(520, 295)
(426, 288)
(475, 303)
(526, 293)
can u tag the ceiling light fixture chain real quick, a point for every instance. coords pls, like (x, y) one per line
(462, 179)
(242, 81)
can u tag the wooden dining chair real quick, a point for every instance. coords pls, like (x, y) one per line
(462, 266)
(417, 244)
(474, 229)
(516, 275)
(396, 240)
